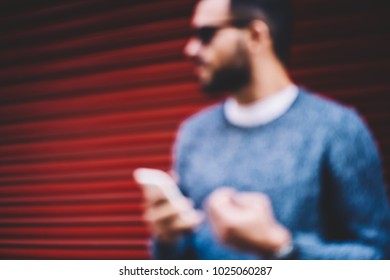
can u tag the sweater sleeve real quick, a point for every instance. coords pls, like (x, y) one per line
(356, 196)
(179, 250)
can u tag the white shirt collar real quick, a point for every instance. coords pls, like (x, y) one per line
(262, 111)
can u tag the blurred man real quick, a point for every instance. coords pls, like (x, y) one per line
(278, 172)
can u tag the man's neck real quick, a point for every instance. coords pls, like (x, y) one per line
(268, 79)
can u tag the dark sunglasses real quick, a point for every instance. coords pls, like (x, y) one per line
(206, 33)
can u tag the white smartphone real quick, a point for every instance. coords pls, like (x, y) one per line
(155, 178)
(164, 183)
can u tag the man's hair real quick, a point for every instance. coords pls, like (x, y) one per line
(277, 14)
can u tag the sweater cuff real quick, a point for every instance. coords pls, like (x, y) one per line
(170, 251)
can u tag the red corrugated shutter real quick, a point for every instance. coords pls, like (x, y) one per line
(90, 90)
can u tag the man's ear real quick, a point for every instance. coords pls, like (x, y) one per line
(260, 36)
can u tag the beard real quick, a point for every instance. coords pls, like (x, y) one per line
(233, 76)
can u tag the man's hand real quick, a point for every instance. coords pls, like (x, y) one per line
(246, 221)
(166, 220)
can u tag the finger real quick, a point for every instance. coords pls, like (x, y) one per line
(174, 175)
(153, 196)
(175, 227)
(187, 221)
(223, 192)
(167, 237)
(220, 215)
(225, 203)
(166, 210)
(252, 200)
(219, 198)
(254, 203)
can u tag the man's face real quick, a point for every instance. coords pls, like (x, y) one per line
(218, 49)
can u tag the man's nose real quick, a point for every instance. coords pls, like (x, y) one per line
(192, 48)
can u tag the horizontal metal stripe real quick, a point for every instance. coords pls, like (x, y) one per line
(126, 141)
(78, 166)
(113, 80)
(79, 154)
(18, 253)
(80, 177)
(339, 51)
(170, 29)
(75, 221)
(96, 187)
(62, 210)
(76, 243)
(310, 9)
(352, 69)
(42, 199)
(97, 62)
(344, 76)
(93, 126)
(127, 232)
(350, 25)
(102, 20)
(66, 135)
(135, 145)
(103, 104)
(28, 14)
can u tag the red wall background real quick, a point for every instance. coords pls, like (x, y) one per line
(91, 89)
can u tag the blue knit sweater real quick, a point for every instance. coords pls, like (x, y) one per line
(317, 163)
